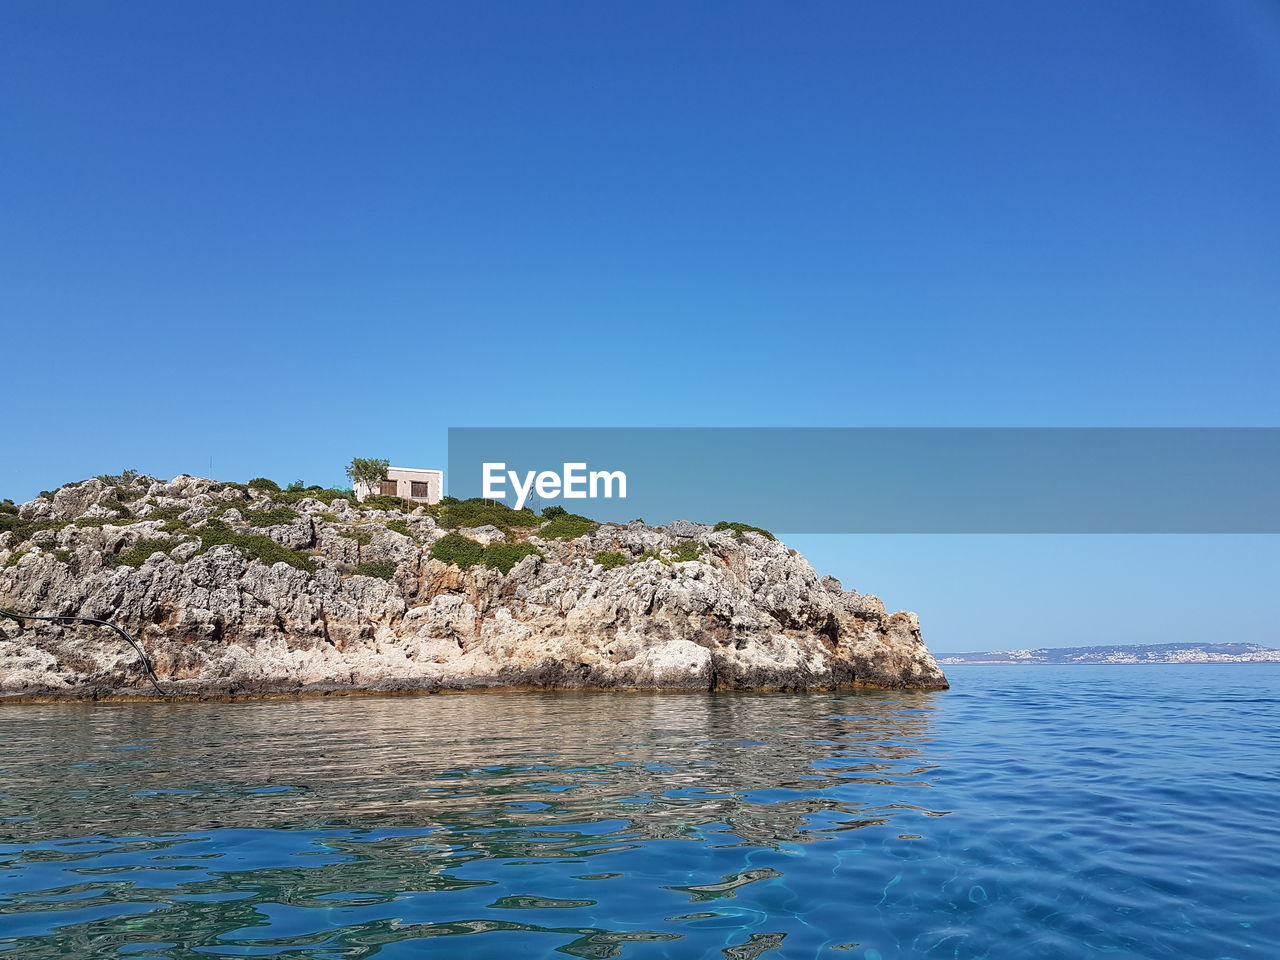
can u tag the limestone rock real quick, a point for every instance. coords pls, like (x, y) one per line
(746, 614)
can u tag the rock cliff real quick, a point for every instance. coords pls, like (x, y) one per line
(238, 590)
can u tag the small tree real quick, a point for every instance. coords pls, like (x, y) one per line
(119, 480)
(369, 472)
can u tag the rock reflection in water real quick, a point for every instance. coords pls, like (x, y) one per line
(759, 763)
(343, 827)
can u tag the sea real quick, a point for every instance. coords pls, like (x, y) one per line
(1054, 812)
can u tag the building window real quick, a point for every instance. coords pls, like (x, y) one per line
(388, 488)
(420, 489)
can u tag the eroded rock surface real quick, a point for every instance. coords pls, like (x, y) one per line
(748, 614)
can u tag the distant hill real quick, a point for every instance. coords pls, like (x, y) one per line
(1124, 653)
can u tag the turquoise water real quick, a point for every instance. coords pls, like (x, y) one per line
(1035, 812)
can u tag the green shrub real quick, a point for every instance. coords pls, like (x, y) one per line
(115, 506)
(22, 529)
(324, 495)
(139, 555)
(740, 528)
(270, 518)
(610, 559)
(382, 569)
(399, 526)
(62, 556)
(97, 523)
(566, 526)
(553, 511)
(257, 546)
(382, 502)
(478, 512)
(458, 550)
(216, 532)
(453, 513)
(262, 483)
(686, 551)
(464, 552)
(14, 558)
(166, 513)
(504, 556)
(8, 506)
(118, 479)
(296, 486)
(362, 537)
(682, 553)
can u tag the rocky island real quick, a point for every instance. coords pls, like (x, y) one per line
(249, 590)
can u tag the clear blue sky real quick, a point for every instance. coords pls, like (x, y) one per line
(280, 235)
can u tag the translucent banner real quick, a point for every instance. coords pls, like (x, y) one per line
(886, 480)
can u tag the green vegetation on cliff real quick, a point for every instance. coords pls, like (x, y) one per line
(256, 545)
(740, 528)
(325, 495)
(567, 526)
(458, 550)
(270, 518)
(478, 512)
(463, 552)
(684, 552)
(138, 555)
(261, 504)
(504, 556)
(382, 569)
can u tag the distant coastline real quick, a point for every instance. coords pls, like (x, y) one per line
(1133, 653)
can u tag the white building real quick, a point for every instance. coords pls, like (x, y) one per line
(411, 483)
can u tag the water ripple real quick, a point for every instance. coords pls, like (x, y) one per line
(1037, 813)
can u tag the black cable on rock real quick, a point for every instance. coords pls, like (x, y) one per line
(142, 654)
